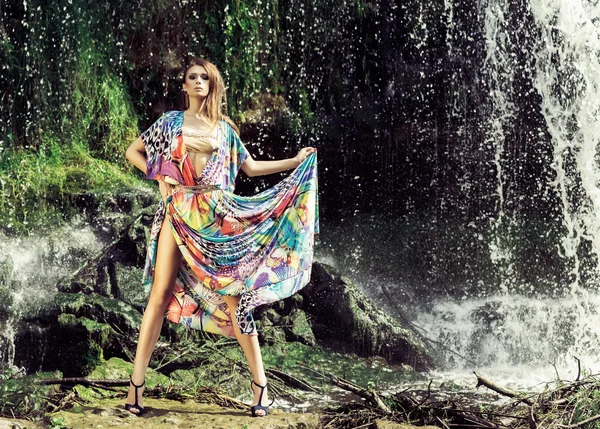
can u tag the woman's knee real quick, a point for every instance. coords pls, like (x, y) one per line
(232, 303)
(168, 262)
(159, 297)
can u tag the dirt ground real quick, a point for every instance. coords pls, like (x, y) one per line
(165, 413)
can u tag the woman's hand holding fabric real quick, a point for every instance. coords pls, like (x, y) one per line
(304, 152)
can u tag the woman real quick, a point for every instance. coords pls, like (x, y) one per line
(213, 256)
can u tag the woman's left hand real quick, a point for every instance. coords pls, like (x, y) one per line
(304, 152)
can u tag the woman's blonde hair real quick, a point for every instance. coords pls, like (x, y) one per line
(212, 106)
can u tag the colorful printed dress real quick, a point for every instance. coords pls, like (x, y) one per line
(258, 247)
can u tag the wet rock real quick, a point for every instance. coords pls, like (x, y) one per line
(269, 324)
(66, 345)
(75, 332)
(129, 284)
(343, 318)
(300, 329)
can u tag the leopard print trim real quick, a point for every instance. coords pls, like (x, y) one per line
(243, 313)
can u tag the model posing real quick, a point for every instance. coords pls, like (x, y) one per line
(213, 256)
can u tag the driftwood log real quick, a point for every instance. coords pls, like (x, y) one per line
(482, 381)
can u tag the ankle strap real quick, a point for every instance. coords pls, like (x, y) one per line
(261, 392)
(135, 385)
(252, 381)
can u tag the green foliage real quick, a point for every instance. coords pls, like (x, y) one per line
(583, 405)
(36, 188)
(78, 74)
(105, 123)
(57, 423)
(20, 396)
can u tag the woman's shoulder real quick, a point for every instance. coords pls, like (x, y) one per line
(170, 118)
(229, 126)
(172, 114)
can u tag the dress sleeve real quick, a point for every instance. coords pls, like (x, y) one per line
(156, 146)
(237, 154)
(238, 150)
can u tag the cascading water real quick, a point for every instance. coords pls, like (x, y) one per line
(31, 268)
(500, 67)
(519, 327)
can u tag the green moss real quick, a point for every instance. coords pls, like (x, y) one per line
(112, 310)
(36, 189)
(293, 357)
(117, 369)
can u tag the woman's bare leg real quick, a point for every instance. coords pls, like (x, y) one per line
(168, 261)
(249, 344)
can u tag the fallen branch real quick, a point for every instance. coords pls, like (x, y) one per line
(581, 423)
(482, 381)
(292, 381)
(368, 394)
(84, 382)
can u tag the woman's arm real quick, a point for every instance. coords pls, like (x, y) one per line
(253, 167)
(136, 154)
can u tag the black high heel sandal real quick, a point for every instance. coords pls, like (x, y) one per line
(255, 408)
(135, 406)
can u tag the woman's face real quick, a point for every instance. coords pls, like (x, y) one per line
(196, 82)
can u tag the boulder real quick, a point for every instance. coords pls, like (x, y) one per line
(344, 319)
(74, 333)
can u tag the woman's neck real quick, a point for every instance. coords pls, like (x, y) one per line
(199, 118)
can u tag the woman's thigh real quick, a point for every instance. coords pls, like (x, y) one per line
(231, 301)
(168, 261)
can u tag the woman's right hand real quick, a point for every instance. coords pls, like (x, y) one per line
(166, 189)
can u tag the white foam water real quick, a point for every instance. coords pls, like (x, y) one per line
(38, 262)
(516, 333)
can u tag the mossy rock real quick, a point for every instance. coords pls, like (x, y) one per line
(75, 346)
(129, 284)
(343, 318)
(268, 327)
(75, 332)
(299, 329)
(118, 369)
(69, 347)
(97, 307)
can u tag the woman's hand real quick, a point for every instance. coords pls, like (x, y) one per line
(165, 189)
(304, 152)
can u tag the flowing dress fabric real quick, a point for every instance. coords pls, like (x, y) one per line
(259, 247)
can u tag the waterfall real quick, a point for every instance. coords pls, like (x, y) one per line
(499, 66)
(30, 268)
(568, 82)
(518, 326)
